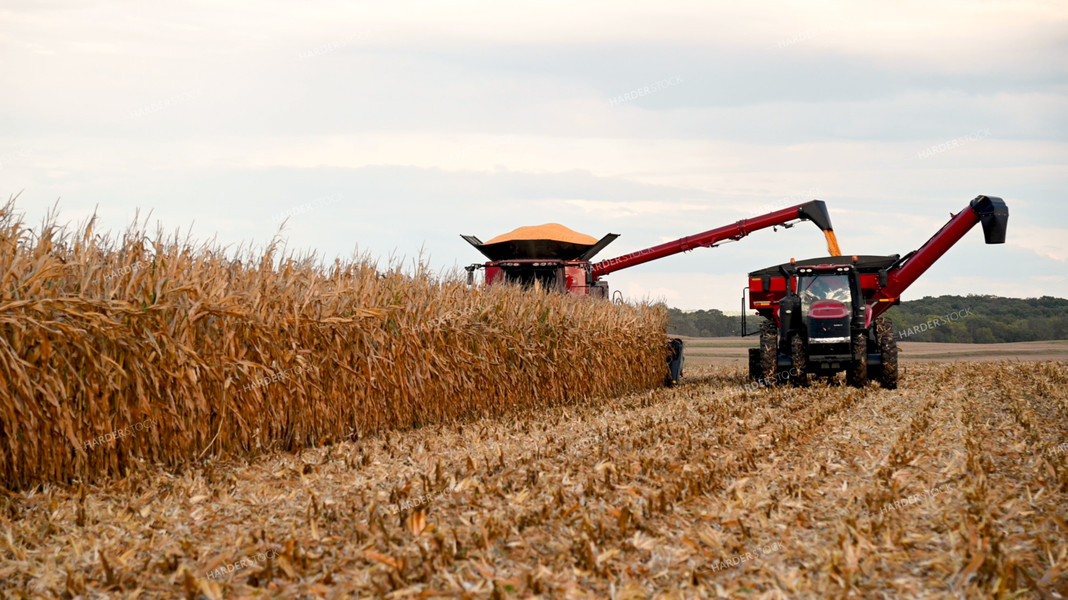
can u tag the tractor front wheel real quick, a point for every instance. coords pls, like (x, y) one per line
(857, 372)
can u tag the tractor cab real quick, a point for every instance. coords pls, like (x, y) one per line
(828, 302)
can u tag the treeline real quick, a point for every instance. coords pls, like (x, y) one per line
(954, 319)
(981, 319)
(705, 323)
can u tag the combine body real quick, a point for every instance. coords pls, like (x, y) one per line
(565, 265)
(823, 315)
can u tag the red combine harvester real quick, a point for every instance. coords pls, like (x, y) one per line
(564, 264)
(822, 315)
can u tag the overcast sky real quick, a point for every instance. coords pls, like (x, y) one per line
(394, 127)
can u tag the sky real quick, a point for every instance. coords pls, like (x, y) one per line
(388, 129)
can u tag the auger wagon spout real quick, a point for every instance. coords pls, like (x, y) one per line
(823, 315)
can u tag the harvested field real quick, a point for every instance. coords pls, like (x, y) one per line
(953, 486)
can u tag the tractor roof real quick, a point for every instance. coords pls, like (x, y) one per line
(863, 264)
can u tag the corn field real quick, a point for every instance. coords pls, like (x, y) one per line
(153, 350)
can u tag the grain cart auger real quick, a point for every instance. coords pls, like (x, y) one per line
(823, 315)
(557, 258)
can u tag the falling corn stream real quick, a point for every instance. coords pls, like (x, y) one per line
(832, 243)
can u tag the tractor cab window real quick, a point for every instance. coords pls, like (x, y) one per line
(812, 289)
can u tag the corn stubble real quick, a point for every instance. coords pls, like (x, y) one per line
(702, 491)
(234, 357)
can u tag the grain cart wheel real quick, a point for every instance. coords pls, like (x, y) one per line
(769, 352)
(857, 371)
(798, 374)
(754, 364)
(887, 342)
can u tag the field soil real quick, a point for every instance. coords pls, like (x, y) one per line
(953, 486)
(701, 352)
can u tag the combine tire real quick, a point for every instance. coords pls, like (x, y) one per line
(887, 342)
(675, 359)
(769, 352)
(857, 372)
(754, 364)
(798, 376)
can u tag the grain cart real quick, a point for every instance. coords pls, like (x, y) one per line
(557, 258)
(823, 315)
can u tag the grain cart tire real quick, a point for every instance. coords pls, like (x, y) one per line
(769, 352)
(754, 364)
(887, 342)
(798, 374)
(857, 371)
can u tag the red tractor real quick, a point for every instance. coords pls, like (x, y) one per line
(564, 264)
(823, 315)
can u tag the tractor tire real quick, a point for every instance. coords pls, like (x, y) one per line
(857, 371)
(887, 342)
(769, 353)
(754, 364)
(799, 357)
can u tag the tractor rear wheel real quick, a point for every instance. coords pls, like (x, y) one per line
(754, 364)
(887, 342)
(769, 352)
(857, 371)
